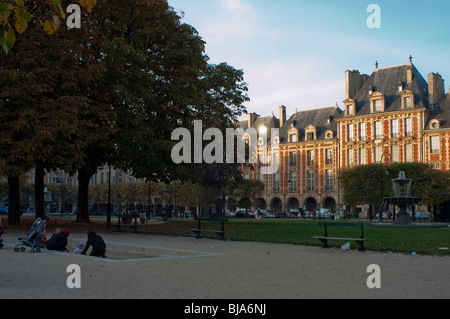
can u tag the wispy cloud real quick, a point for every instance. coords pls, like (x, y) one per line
(237, 6)
(291, 83)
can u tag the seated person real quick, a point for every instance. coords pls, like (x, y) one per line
(58, 241)
(97, 243)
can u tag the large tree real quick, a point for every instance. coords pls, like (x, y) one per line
(111, 91)
(47, 121)
(368, 184)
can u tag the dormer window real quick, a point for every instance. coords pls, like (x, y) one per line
(407, 99)
(350, 105)
(292, 134)
(400, 87)
(376, 102)
(310, 133)
(329, 134)
(434, 124)
(377, 106)
(350, 109)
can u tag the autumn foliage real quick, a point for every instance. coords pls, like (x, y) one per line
(110, 91)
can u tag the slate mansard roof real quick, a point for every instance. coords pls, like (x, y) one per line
(386, 81)
(323, 119)
(383, 80)
(441, 113)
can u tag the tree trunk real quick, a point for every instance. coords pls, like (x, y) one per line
(39, 190)
(14, 201)
(83, 196)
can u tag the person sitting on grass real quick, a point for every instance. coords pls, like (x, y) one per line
(58, 241)
(97, 243)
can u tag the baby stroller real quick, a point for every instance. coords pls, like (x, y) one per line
(34, 237)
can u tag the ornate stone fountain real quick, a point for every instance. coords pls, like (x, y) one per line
(403, 199)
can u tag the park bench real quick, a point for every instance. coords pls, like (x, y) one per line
(119, 225)
(324, 239)
(198, 231)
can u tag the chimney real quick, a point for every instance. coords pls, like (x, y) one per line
(409, 74)
(282, 115)
(436, 88)
(252, 118)
(354, 82)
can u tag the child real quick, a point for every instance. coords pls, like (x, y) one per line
(79, 248)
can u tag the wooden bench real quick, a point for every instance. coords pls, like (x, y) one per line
(324, 239)
(198, 231)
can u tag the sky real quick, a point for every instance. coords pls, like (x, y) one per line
(295, 52)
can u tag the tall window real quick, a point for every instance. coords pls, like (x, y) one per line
(261, 177)
(350, 159)
(394, 128)
(310, 181)
(292, 159)
(408, 126)
(362, 131)
(362, 156)
(434, 144)
(350, 132)
(276, 182)
(293, 138)
(310, 157)
(408, 153)
(276, 158)
(329, 180)
(292, 182)
(395, 154)
(377, 151)
(328, 156)
(378, 130)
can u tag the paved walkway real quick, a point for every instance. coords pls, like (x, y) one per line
(178, 267)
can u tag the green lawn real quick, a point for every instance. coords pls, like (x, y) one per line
(418, 240)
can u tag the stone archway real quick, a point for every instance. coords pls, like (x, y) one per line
(293, 205)
(260, 203)
(330, 203)
(310, 204)
(276, 205)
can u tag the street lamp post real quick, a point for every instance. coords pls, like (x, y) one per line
(387, 162)
(108, 212)
(286, 189)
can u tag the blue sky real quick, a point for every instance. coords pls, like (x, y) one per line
(295, 52)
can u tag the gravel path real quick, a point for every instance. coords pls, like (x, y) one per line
(155, 267)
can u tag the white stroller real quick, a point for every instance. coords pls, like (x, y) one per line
(34, 237)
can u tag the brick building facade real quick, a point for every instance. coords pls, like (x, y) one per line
(393, 115)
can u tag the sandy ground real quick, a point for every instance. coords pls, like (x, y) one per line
(211, 269)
